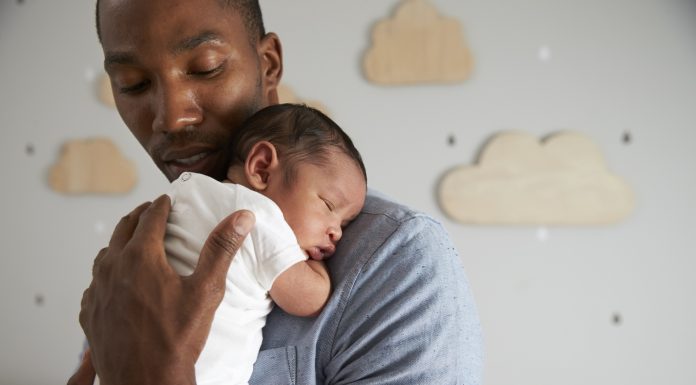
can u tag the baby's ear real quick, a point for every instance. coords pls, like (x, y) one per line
(261, 162)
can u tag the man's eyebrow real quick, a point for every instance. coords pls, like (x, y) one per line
(184, 45)
(192, 42)
(117, 58)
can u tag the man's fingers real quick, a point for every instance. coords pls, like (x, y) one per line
(98, 260)
(85, 374)
(85, 309)
(219, 250)
(153, 222)
(125, 227)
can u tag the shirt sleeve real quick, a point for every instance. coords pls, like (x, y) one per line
(275, 244)
(199, 203)
(411, 318)
(276, 249)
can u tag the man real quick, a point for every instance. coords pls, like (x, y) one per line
(185, 75)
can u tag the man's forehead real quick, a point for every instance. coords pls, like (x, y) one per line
(160, 7)
(182, 22)
(221, 3)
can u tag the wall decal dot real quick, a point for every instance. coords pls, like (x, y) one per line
(99, 227)
(616, 319)
(29, 149)
(542, 234)
(451, 140)
(544, 53)
(39, 300)
(627, 138)
(90, 74)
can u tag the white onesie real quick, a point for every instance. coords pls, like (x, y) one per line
(199, 203)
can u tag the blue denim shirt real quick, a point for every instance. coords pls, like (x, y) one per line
(401, 311)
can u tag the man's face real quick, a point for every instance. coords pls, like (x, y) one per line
(185, 75)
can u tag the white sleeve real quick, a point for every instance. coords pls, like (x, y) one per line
(274, 242)
(275, 252)
(199, 203)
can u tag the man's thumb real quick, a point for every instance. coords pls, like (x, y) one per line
(222, 245)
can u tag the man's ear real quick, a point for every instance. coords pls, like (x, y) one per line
(271, 60)
(261, 165)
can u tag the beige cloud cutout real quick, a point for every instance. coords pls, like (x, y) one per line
(417, 46)
(519, 180)
(287, 95)
(92, 166)
(104, 92)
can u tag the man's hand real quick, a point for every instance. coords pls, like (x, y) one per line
(144, 323)
(85, 374)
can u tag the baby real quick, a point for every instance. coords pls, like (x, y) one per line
(301, 176)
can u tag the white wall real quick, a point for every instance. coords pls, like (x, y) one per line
(547, 306)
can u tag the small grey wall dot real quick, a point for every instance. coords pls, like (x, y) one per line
(451, 140)
(616, 319)
(39, 300)
(627, 138)
(29, 149)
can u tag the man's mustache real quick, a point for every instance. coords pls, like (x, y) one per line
(187, 137)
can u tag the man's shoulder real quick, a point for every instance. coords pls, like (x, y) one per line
(401, 309)
(402, 300)
(386, 228)
(378, 204)
(382, 218)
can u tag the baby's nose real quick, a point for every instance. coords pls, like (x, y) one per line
(335, 234)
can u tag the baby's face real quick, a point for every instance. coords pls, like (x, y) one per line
(320, 201)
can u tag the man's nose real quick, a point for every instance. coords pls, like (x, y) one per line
(176, 107)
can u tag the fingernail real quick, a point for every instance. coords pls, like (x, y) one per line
(245, 221)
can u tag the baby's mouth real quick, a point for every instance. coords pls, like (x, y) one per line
(315, 253)
(320, 253)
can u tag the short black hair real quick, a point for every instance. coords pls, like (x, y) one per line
(300, 134)
(249, 10)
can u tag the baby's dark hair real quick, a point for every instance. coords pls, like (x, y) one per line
(299, 133)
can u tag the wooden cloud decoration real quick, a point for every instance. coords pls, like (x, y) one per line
(287, 95)
(519, 180)
(92, 166)
(104, 91)
(417, 46)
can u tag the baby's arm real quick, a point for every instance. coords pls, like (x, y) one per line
(303, 289)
